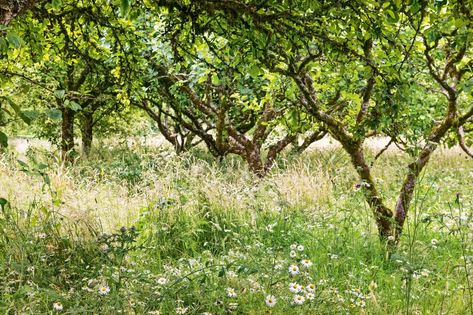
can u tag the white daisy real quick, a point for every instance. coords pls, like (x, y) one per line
(310, 287)
(293, 270)
(293, 254)
(57, 306)
(104, 290)
(299, 299)
(162, 281)
(295, 288)
(231, 292)
(293, 247)
(270, 300)
(310, 296)
(306, 263)
(300, 248)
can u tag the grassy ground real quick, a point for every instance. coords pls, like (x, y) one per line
(140, 230)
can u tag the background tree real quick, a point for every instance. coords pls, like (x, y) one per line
(206, 91)
(352, 64)
(75, 52)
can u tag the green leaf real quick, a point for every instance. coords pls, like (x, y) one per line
(202, 79)
(17, 110)
(56, 4)
(42, 166)
(23, 164)
(215, 79)
(60, 94)
(3, 44)
(254, 71)
(391, 14)
(54, 114)
(125, 6)
(14, 40)
(72, 105)
(3, 140)
(47, 180)
(3, 203)
(31, 114)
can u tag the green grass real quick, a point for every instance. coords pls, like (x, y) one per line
(194, 227)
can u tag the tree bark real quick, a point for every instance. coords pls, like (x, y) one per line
(87, 124)
(277, 148)
(253, 158)
(382, 214)
(10, 9)
(67, 134)
(462, 142)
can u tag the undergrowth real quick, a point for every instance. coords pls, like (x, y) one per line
(144, 231)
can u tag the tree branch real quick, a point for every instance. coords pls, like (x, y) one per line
(461, 142)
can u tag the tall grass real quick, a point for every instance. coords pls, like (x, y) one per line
(142, 230)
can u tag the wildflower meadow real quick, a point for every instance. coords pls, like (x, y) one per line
(190, 236)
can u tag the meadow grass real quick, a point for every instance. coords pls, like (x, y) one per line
(139, 230)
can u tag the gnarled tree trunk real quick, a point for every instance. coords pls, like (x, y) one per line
(382, 214)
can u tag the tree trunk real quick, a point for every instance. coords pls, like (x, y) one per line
(407, 189)
(253, 158)
(87, 132)
(188, 144)
(67, 136)
(390, 225)
(382, 214)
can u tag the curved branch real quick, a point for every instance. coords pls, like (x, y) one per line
(382, 151)
(461, 142)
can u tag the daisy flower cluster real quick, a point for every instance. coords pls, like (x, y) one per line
(357, 298)
(299, 273)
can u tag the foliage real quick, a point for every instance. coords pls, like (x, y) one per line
(69, 57)
(358, 68)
